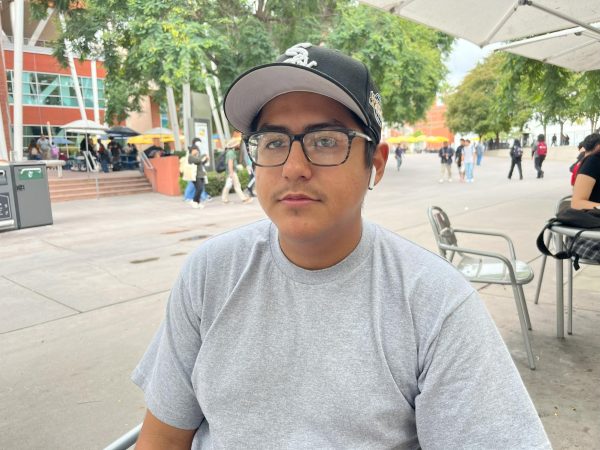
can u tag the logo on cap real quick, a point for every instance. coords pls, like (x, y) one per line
(299, 55)
(375, 102)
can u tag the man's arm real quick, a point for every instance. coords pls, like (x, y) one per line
(156, 434)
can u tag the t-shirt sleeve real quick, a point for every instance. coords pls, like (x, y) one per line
(470, 393)
(591, 167)
(165, 371)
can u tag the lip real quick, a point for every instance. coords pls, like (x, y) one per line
(297, 199)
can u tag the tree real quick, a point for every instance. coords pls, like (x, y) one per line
(588, 98)
(474, 106)
(147, 45)
(405, 59)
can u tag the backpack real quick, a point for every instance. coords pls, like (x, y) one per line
(221, 163)
(517, 152)
(586, 219)
(542, 149)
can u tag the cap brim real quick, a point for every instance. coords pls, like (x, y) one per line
(254, 89)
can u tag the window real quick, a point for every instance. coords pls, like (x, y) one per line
(48, 89)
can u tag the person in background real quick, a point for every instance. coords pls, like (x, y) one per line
(33, 153)
(468, 159)
(553, 144)
(458, 155)
(479, 149)
(398, 156)
(115, 150)
(103, 156)
(43, 145)
(316, 328)
(188, 173)
(516, 154)
(586, 195)
(197, 143)
(445, 154)
(538, 152)
(232, 178)
(588, 146)
(198, 160)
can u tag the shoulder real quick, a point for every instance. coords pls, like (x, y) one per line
(430, 281)
(591, 166)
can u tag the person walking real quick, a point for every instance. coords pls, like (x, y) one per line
(398, 156)
(516, 153)
(479, 149)
(458, 155)
(232, 178)
(198, 160)
(538, 152)
(445, 154)
(316, 328)
(188, 173)
(468, 159)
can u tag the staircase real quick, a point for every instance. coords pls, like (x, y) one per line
(79, 188)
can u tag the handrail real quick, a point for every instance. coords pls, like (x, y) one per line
(145, 162)
(92, 167)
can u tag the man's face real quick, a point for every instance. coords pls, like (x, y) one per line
(308, 203)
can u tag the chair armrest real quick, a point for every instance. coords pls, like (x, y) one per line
(509, 264)
(511, 247)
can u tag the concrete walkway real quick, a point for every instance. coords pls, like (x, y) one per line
(80, 299)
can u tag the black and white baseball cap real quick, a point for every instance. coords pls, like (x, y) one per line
(306, 68)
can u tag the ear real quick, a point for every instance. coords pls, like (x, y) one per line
(380, 158)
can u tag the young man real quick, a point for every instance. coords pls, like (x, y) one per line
(315, 328)
(232, 178)
(445, 154)
(468, 160)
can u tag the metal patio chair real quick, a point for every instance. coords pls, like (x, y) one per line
(563, 203)
(127, 440)
(480, 266)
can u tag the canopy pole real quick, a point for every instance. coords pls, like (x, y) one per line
(556, 13)
(18, 7)
(500, 24)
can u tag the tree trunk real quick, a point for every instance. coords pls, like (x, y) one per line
(562, 125)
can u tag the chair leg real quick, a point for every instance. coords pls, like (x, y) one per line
(570, 299)
(525, 309)
(539, 285)
(524, 330)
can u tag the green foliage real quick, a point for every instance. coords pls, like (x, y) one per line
(588, 98)
(147, 45)
(216, 182)
(405, 58)
(473, 106)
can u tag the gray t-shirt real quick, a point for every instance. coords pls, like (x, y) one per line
(390, 348)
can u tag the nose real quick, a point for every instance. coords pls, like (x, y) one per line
(297, 166)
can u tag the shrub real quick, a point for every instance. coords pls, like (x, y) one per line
(216, 182)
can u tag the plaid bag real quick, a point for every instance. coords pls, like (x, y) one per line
(577, 246)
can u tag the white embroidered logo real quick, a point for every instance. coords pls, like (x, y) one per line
(299, 55)
(375, 102)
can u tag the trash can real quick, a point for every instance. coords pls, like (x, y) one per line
(8, 214)
(31, 194)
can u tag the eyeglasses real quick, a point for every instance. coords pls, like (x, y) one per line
(321, 147)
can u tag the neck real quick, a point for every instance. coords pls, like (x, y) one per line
(323, 251)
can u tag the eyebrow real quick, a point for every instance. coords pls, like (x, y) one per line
(312, 127)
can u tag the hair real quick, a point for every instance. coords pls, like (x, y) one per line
(591, 141)
(541, 138)
(369, 146)
(580, 145)
(517, 143)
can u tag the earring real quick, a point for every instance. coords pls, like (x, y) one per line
(372, 178)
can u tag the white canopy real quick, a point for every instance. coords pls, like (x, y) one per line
(486, 21)
(84, 126)
(576, 49)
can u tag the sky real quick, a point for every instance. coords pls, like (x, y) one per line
(464, 58)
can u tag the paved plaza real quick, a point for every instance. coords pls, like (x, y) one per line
(80, 299)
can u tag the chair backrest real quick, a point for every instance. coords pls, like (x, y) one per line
(563, 204)
(442, 230)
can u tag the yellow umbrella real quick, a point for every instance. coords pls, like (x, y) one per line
(399, 139)
(434, 139)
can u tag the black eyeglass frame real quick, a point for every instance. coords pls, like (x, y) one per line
(300, 138)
